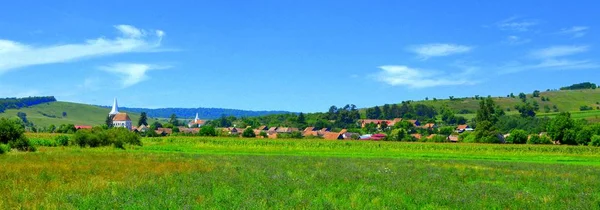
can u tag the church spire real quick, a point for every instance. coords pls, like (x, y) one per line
(115, 108)
(196, 119)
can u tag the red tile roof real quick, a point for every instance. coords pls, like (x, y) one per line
(462, 127)
(83, 127)
(121, 117)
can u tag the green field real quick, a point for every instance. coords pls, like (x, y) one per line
(77, 114)
(234, 173)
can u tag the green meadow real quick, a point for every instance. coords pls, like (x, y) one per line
(233, 173)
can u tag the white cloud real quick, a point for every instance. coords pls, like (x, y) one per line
(131, 73)
(426, 51)
(559, 51)
(550, 64)
(417, 78)
(15, 55)
(516, 40)
(575, 31)
(516, 24)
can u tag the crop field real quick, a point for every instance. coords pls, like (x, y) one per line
(233, 173)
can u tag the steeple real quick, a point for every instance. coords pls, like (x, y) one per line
(196, 119)
(115, 108)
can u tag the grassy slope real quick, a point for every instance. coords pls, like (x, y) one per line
(565, 100)
(232, 173)
(78, 114)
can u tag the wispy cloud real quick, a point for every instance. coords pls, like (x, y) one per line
(559, 51)
(575, 31)
(553, 58)
(417, 78)
(549, 64)
(516, 23)
(426, 51)
(131, 73)
(15, 55)
(516, 40)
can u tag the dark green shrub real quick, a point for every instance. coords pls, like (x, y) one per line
(595, 141)
(248, 133)
(62, 140)
(22, 144)
(517, 136)
(4, 148)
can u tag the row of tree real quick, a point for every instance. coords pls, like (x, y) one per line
(17, 103)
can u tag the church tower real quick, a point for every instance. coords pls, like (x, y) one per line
(115, 109)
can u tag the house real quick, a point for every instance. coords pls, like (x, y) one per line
(197, 122)
(143, 128)
(77, 127)
(378, 136)
(379, 122)
(272, 130)
(119, 120)
(453, 138)
(429, 126)
(286, 130)
(310, 131)
(164, 131)
(263, 128)
(463, 128)
(185, 130)
(335, 135)
(416, 135)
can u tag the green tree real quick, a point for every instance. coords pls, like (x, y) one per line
(526, 110)
(536, 93)
(398, 134)
(523, 97)
(173, 120)
(517, 136)
(301, 120)
(386, 111)
(595, 141)
(109, 121)
(207, 130)
(143, 119)
(248, 133)
(12, 133)
(559, 126)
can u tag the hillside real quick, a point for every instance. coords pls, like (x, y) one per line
(43, 115)
(565, 100)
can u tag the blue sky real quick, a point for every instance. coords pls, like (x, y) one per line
(292, 55)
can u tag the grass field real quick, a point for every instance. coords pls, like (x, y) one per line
(233, 173)
(77, 114)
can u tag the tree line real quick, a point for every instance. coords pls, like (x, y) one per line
(17, 103)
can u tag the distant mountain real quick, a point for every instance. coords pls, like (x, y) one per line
(203, 113)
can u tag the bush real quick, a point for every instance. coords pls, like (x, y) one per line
(263, 134)
(536, 139)
(248, 133)
(438, 138)
(517, 136)
(595, 141)
(10, 130)
(4, 148)
(22, 144)
(97, 137)
(62, 140)
(207, 130)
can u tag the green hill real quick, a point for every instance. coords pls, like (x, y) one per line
(43, 115)
(565, 100)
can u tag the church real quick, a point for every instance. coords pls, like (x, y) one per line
(119, 120)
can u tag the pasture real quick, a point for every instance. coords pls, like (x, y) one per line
(201, 172)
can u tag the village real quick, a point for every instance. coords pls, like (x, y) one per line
(121, 119)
